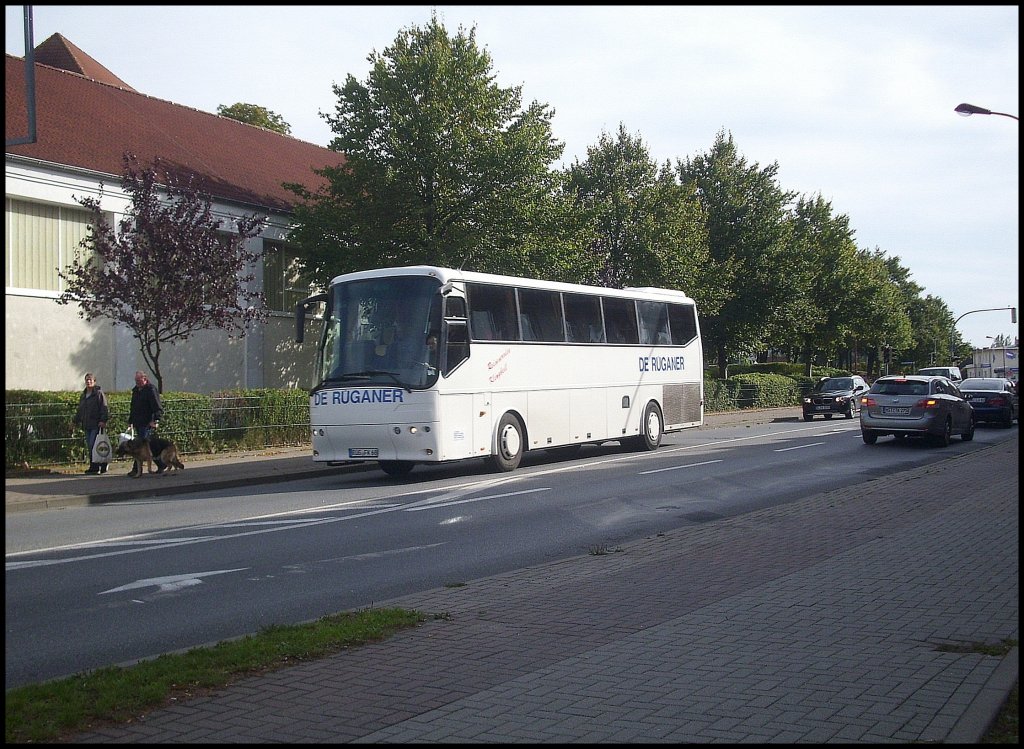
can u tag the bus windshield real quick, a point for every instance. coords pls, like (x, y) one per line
(382, 331)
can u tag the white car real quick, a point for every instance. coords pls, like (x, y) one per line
(950, 373)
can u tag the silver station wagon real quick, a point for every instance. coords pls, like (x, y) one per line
(915, 406)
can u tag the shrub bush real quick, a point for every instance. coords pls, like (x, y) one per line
(39, 425)
(765, 390)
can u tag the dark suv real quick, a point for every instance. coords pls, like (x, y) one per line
(834, 395)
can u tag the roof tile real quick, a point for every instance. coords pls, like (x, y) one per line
(90, 124)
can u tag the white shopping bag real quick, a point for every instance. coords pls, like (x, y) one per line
(101, 449)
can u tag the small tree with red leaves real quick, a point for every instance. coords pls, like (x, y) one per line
(169, 270)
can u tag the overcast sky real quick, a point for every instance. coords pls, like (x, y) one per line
(854, 103)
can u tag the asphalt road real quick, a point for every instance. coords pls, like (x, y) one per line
(135, 579)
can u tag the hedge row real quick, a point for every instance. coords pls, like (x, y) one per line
(39, 428)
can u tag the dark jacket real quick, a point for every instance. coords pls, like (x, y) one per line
(145, 407)
(92, 408)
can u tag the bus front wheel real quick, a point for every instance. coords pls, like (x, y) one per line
(510, 444)
(650, 429)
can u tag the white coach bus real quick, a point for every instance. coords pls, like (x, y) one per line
(424, 364)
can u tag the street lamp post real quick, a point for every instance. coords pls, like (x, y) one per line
(952, 331)
(968, 109)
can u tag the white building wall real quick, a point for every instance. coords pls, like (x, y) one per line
(49, 347)
(996, 362)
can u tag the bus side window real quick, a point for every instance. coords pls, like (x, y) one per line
(620, 320)
(541, 315)
(653, 323)
(500, 305)
(583, 318)
(683, 322)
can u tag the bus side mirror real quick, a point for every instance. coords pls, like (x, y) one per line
(301, 308)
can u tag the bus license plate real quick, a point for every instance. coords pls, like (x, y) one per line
(362, 452)
(896, 410)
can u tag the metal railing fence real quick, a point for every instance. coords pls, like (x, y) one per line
(44, 434)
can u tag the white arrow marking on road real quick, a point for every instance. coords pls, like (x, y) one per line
(171, 582)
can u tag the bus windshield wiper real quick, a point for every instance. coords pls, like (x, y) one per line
(366, 373)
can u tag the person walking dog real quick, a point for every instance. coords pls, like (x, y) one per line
(92, 416)
(145, 412)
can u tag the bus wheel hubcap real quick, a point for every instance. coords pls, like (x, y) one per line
(510, 441)
(653, 427)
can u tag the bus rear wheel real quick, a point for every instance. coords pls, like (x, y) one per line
(510, 444)
(396, 467)
(650, 429)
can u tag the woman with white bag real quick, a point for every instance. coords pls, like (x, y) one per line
(92, 416)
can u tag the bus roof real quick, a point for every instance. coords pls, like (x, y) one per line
(446, 275)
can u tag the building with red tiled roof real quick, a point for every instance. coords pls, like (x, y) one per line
(86, 120)
(58, 52)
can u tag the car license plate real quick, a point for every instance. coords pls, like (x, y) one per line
(823, 408)
(362, 452)
(896, 410)
(977, 399)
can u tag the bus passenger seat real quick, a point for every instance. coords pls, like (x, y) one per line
(527, 326)
(482, 329)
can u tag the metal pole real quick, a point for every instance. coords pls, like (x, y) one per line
(952, 330)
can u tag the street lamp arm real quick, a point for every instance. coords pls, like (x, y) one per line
(987, 309)
(952, 330)
(968, 109)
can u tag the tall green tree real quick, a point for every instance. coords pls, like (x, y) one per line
(254, 114)
(748, 240)
(931, 322)
(648, 229)
(882, 303)
(169, 270)
(825, 267)
(443, 165)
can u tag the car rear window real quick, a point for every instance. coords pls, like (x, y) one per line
(900, 387)
(981, 384)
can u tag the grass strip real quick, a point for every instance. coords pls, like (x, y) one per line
(46, 712)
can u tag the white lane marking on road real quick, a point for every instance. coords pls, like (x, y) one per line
(171, 582)
(798, 447)
(676, 468)
(434, 505)
(386, 553)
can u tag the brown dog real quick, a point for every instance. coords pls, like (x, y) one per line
(143, 451)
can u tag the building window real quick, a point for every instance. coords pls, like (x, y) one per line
(281, 284)
(41, 238)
